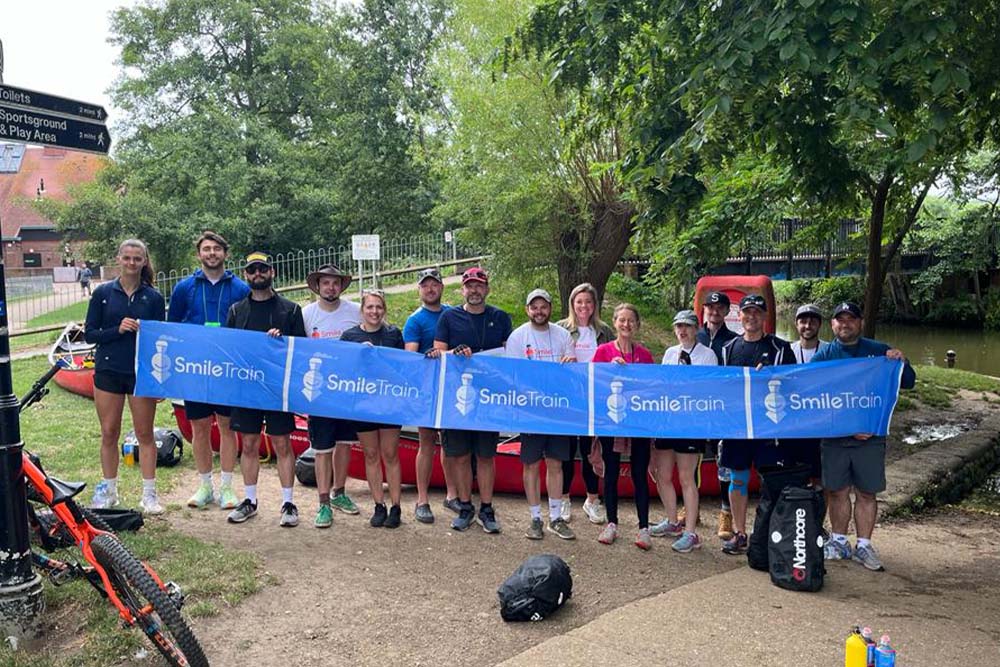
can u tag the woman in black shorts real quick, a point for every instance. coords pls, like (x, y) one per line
(379, 441)
(113, 317)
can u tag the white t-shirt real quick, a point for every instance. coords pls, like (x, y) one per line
(321, 324)
(586, 344)
(803, 355)
(526, 342)
(700, 356)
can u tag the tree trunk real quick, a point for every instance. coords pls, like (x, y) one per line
(874, 267)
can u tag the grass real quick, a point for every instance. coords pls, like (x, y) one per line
(75, 312)
(63, 430)
(937, 387)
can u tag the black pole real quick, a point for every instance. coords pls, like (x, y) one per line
(20, 587)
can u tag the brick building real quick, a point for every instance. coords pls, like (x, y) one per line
(30, 240)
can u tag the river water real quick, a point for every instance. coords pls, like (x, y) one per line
(977, 351)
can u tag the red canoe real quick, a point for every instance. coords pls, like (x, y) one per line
(75, 357)
(508, 462)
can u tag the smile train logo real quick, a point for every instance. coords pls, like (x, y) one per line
(465, 396)
(312, 379)
(616, 403)
(774, 402)
(161, 362)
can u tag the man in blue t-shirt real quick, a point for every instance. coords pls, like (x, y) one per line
(856, 461)
(204, 298)
(418, 336)
(475, 327)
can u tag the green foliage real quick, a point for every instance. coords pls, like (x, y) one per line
(830, 291)
(635, 292)
(992, 319)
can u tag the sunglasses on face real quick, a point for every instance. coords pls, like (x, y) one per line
(257, 268)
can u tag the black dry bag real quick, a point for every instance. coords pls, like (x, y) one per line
(538, 587)
(774, 479)
(305, 467)
(795, 543)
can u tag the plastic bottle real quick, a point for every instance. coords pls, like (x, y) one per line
(866, 634)
(855, 650)
(885, 655)
(129, 450)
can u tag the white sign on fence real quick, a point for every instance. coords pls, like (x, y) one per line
(447, 237)
(365, 247)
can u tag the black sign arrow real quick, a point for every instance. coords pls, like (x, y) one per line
(45, 102)
(32, 127)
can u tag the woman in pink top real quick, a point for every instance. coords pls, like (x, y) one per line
(624, 350)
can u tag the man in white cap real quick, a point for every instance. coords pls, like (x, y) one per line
(538, 340)
(808, 319)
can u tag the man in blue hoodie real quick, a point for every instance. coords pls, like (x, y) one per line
(204, 298)
(858, 461)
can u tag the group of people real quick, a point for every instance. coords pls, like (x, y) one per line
(213, 297)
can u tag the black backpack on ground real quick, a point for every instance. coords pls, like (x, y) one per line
(169, 446)
(538, 587)
(774, 479)
(795, 542)
(305, 467)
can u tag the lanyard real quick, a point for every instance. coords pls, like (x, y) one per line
(204, 307)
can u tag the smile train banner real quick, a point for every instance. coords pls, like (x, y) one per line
(364, 383)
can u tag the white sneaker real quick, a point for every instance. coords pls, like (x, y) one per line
(595, 511)
(104, 497)
(151, 505)
(566, 510)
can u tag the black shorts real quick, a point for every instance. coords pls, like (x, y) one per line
(250, 421)
(742, 454)
(195, 410)
(804, 451)
(367, 427)
(681, 445)
(459, 443)
(534, 447)
(326, 432)
(115, 383)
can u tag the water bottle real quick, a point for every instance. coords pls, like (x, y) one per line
(885, 655)
(130, 450)
(855, 650)
(866, 634)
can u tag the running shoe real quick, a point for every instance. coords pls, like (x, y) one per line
(488, 520)
(465, 517)
(202, 497)
(837, 550)
(395, 517)
(566, 510)
(535, 530)
(595, 512)
(686, 543)
(667, 528)
(609, 534)
(561, 529)
(725, 525)
(453, 504)
(104, 497)
(735, 545)
(242, 512)
(150, 504)
(643, 539)
(867, 556)
(289, 515)
(342, 503)
(379, 517)
(424, 514)
(324, 517)
(227, 497)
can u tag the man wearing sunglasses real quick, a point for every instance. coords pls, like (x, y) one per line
(264, 310)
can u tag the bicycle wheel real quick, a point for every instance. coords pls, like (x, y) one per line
(154, 611)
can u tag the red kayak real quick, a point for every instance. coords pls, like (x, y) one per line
(75, 358)
(508, 462)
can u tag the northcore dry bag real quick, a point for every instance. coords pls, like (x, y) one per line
(538, 587)
(773, 480)
(795, 545)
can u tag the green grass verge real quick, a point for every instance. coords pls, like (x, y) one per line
(75, 312)
(937, 387)
(63, 430)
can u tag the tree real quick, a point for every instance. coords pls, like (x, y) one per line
(867, 102)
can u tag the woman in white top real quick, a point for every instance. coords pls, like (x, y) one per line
(685, 453)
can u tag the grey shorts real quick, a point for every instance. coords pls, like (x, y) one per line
(534, 447)
(482, 444)
(848, 462)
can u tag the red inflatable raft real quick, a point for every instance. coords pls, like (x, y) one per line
(75, 358)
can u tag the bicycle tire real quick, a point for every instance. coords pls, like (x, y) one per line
(135, 587)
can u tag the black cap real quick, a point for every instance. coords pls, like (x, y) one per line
(258, 257)
(753, 301)
(717, 297)
(848, 307)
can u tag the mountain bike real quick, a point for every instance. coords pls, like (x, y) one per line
(141, 598)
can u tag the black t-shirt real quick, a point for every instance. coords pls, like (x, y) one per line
(768, 351)
(274, 313)
(387, 336)
(483, 331)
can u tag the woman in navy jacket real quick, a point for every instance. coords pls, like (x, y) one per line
(113, 318)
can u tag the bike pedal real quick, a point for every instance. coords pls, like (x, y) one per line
(175, 593)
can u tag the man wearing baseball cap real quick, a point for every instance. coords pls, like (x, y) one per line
(808, 319)
(539, 340)
(418, 336)
(475, 327)
(327, 318)
(755, 349)
(855, 462)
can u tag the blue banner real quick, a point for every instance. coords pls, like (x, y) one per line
(364, 383)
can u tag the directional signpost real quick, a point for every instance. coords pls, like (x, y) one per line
(43, 101)
(30, 117)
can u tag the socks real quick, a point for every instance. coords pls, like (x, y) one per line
(206, 478)
(536, 511)
(555, 508)
(112, 484)
(837, 537)
(862, 542)
(149, 487)
(324, 499)
(251, 492)
(227, 479)
(286, 494)
(338, 492)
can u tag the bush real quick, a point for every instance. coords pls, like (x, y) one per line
(831, 291)
(634, 291)
(794, 292)
(961, 309)
(992, 322)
